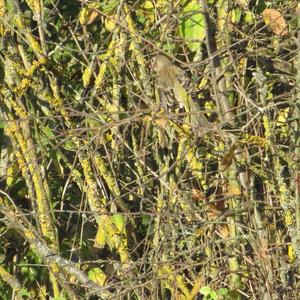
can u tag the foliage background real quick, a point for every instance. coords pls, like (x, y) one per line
(105, 195)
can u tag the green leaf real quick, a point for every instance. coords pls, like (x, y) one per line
(223, 291)
(191, 25)
(48, 132)
(205, 290)
(213, 295)
(108, 6)
(249, 17)
(119, 222)
(146, 220)
(69, 145)
(23, 293)
(235, 15)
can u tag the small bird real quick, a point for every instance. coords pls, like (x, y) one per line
(171, 90)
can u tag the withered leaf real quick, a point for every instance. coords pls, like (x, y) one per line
(274, 19)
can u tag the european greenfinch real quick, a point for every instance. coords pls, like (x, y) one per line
(171, 91)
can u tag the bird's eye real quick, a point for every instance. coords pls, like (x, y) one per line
(152, 61)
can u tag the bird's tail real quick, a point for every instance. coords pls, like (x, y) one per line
(197, 117)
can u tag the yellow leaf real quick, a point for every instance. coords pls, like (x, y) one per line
(249, 17)
(100, 238)
(233, 191)
(209, 106)
(146, 10)
(110, 23)
(291, 253)
(283, 115)
(203, 83)
(288, 218)
(88, 13)
(83, 16)
(235, 15)
(86, 76)
(10, 176)
(97, 275)
(108, 136)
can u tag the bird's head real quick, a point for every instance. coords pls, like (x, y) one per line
(159, 62)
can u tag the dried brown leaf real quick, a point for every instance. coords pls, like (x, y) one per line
(274, 19)
(197, 195)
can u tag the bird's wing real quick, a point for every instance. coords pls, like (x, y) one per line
(190, 106)
(165, 87)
